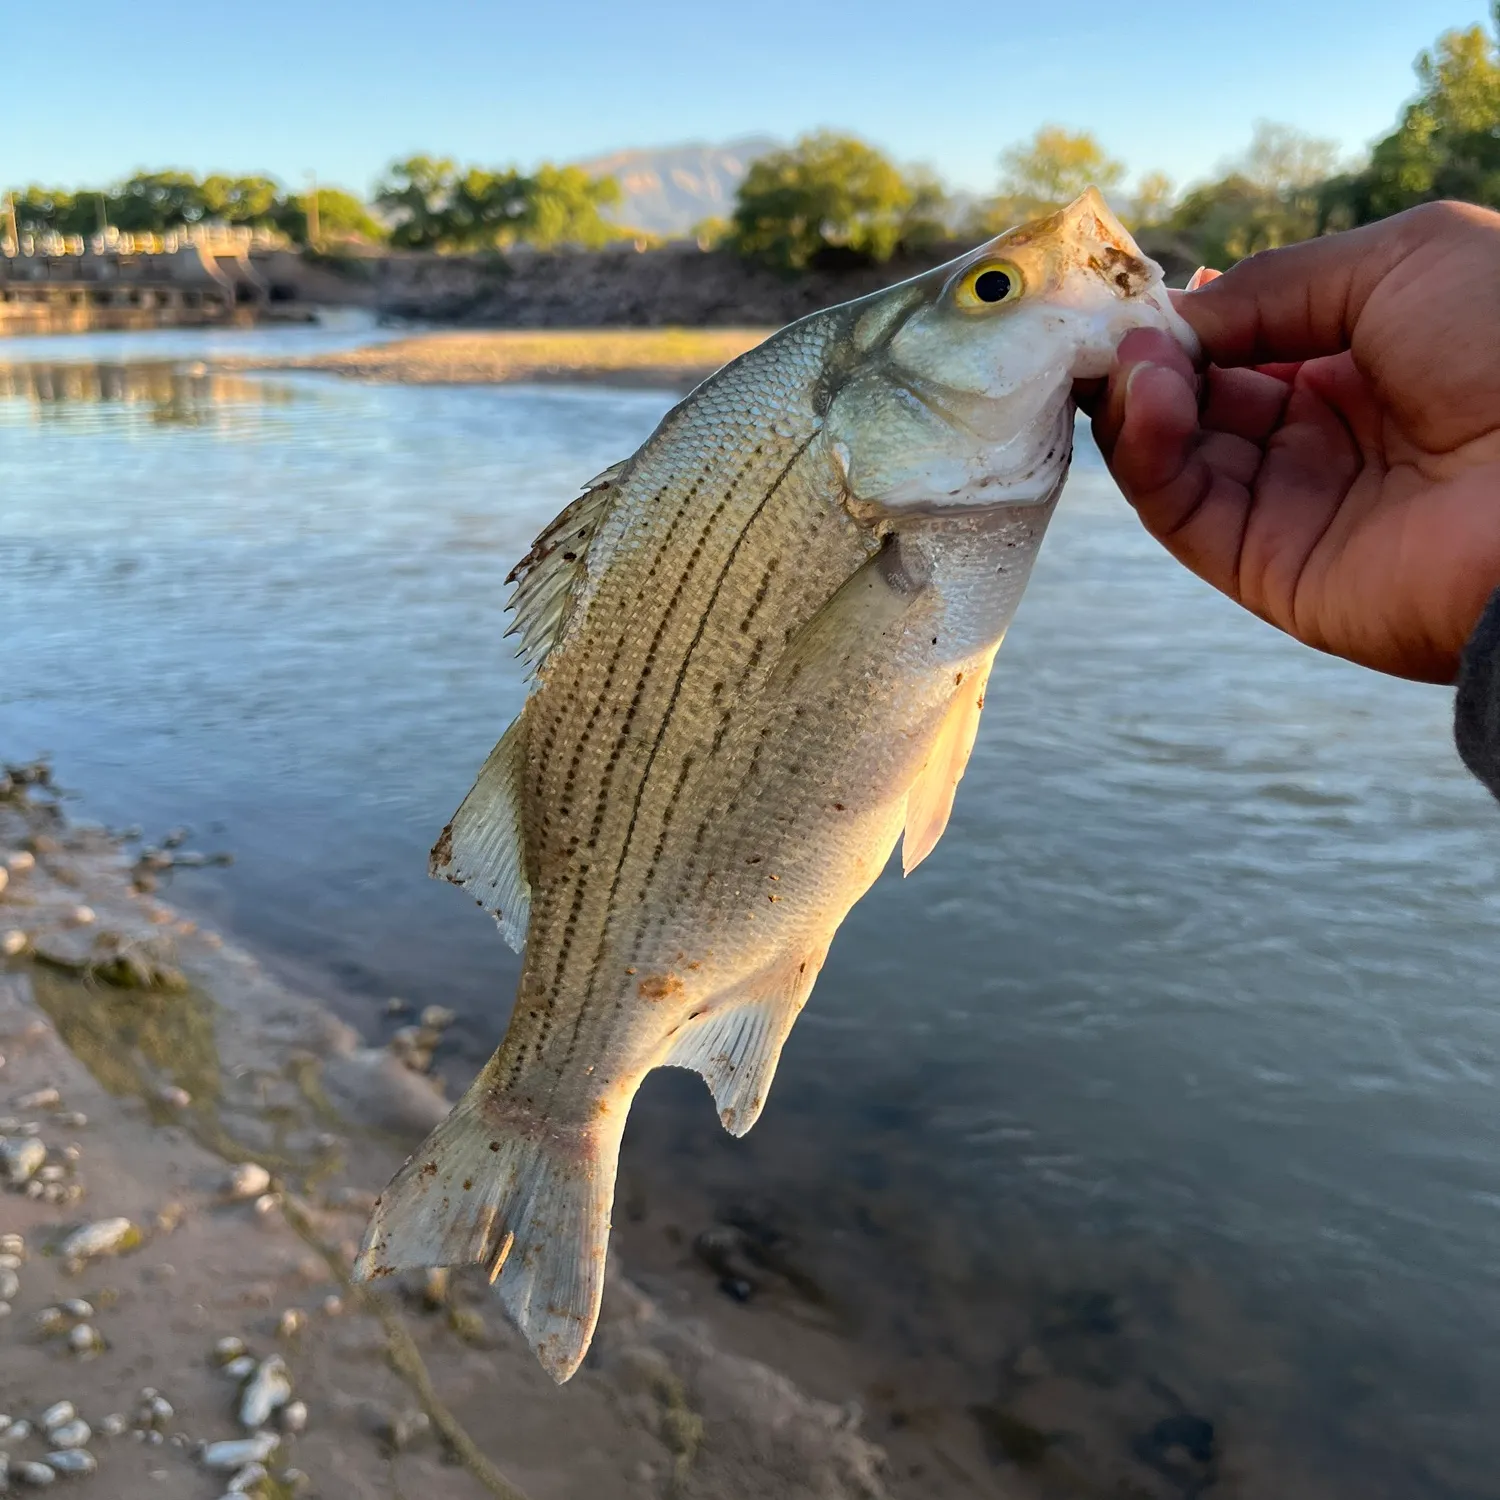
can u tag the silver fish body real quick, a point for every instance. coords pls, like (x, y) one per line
(761, 649)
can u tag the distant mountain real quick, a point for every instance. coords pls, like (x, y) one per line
(667, 191)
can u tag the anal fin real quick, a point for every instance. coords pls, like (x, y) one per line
(735, 1044)
(483, 848)
(930, 800)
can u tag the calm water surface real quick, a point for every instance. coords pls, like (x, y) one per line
(1196, 1002)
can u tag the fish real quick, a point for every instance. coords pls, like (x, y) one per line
(759, 649)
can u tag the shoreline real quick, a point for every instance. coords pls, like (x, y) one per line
(150, 1059)
(651, 357)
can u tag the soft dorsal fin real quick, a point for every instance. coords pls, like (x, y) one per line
(483, 848)
(930, 800)
(546, 579)
(736, 1043)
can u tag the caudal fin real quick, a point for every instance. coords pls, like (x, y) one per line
(531, 1202)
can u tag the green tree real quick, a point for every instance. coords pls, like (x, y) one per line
(1151, 202)
(415, 195)
(831, 199)
(1447, 144)
(564, 206)
(42, 209)
(151, 202)
(1042, 174)
(239, 200)
(1270, 196)
(341, 216)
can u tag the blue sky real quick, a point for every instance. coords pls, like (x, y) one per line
(94, 88)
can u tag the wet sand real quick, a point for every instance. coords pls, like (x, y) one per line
(672, 357)
(151, 1060)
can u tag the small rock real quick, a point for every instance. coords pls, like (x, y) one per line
(17, 1432)
(236, 1453)
(4, 878)
(266, 1391)
(33, 1190)
(174, 1097)
(73, 1119)
(248, 1180)
(113, 1425)
(241, 1366)
(47, 1098)
(246, 1480)
(103, 1237)
(72, 1153)
(77, 1307)
(5, 1309)
(74, 1434)
(291, 1323)
(295, 1480)
(10, 1286)
(56, 1414)
(20, 1157)
(435, 1286)
(9, 1262)
(13, 942)
(22, 862)
(294, 1416)
(53, 1172)
(333, 1306)
(169, 1216)
(82, 916)
(403, 1429)
(267, 1203)
(228, 1348)
(50, 1320)
(396, 1006)
(13, 1244)
(73, 1461)
(438, 1017)
(156, 1410)
(29, 1472)
(85, 1339)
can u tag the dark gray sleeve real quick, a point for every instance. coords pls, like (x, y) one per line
(1476, 710)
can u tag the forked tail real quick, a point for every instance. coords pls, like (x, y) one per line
(528, 1200)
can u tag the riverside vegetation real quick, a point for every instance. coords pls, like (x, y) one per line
(832, 202)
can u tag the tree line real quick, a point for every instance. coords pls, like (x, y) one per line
(833, 201)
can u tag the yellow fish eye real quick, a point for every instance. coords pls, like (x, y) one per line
(988, 284)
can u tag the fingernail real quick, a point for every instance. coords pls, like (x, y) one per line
(1134, 371)
(1201, 277)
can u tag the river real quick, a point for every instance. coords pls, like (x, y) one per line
(1174, 1066)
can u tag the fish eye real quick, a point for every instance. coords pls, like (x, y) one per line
(989, 284)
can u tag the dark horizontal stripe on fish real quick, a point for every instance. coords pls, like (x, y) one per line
(666, 724)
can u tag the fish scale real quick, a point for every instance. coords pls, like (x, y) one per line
(761, 646)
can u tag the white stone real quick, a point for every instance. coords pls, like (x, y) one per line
(248, 1180)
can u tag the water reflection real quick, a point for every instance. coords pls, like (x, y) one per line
(1173, 1069)
(166, 393)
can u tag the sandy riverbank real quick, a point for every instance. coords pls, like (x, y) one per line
(149, 1059)
(678, 357)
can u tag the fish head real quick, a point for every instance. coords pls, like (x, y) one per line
(959, 392)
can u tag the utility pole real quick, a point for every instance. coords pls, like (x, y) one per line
(314, 229)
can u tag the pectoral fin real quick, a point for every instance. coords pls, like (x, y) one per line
(930, 800)
(872, 602)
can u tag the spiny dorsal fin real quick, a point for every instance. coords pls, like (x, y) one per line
(546, 579)
(736, 1043)
(483, 848)
(930, 800)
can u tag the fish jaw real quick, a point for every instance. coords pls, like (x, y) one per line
(969, 404)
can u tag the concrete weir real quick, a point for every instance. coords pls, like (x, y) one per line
(192, 279)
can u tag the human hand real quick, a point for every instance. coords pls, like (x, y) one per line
(1336, 467)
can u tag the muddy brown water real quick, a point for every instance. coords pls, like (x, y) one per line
(1169, 1079)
